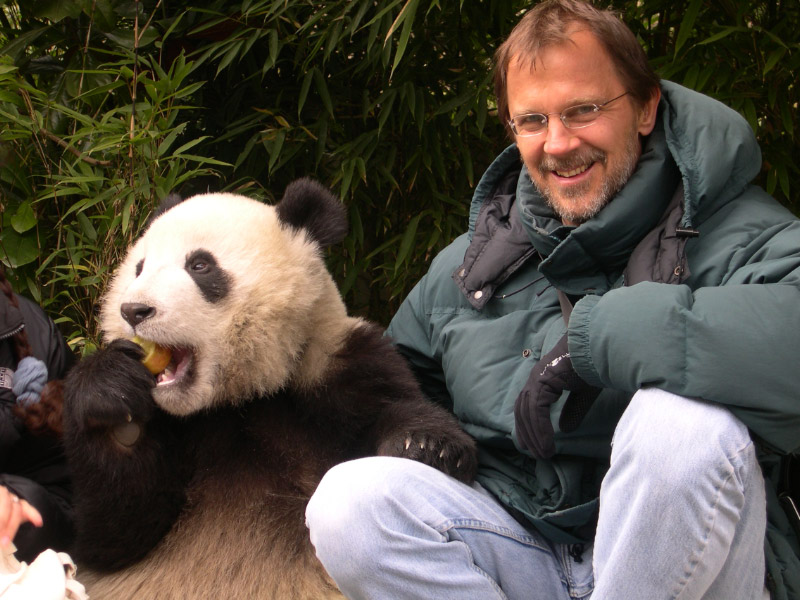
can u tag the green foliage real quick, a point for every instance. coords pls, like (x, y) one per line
(385, 102)
(106, 106)
(744, 53)
(84, 161)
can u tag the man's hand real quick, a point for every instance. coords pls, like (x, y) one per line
(549, 378)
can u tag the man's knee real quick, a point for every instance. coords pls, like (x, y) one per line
(337, 514)
(342, 495)
(344, 515)
(677, 438)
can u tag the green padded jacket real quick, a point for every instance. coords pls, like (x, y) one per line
(688, 280)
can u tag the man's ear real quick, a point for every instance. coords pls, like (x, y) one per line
(648, 113)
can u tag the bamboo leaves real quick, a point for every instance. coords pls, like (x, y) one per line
(389, 102)
(405, 19)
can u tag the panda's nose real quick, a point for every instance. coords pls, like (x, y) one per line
(135, 312)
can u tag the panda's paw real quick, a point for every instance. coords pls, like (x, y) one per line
(109, 388)
(453, 453)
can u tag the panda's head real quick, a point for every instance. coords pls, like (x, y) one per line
(237, 290)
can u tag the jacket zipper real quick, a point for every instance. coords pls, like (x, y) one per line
(13, 332)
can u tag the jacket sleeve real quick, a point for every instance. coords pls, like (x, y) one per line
(737, 344)
(410, 331)
(47, 342)
(35, 467)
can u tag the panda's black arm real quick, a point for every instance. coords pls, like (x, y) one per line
(128, 483)
(376, 396)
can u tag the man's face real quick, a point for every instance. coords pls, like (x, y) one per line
(578, 171)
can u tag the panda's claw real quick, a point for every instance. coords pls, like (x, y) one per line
(454, 454)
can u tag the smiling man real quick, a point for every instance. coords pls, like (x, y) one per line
(576, 160)
(620, 280)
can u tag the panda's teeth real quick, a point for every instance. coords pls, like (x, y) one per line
(177, 367)
(166, 376)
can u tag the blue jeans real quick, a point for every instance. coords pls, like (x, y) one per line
(682, 516)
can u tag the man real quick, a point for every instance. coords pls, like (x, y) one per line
(620, 279)
(35, 489)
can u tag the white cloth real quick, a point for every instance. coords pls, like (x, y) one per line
(51, 576)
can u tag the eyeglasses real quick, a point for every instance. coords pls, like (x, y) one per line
(574, 117)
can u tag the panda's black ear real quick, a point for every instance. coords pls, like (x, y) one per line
(309, 205)
(167, 203)
(171, 200)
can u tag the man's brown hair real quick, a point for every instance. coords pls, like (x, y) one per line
(552, 22)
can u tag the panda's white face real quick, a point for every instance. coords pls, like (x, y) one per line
(230, 290)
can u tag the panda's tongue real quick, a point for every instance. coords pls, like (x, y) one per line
(176, 368)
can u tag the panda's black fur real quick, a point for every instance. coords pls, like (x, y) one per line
(196, 487)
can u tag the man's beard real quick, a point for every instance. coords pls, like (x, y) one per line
(613, 183)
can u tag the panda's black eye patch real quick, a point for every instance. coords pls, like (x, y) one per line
(213, 281)
(139, 267)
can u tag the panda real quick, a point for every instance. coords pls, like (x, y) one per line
(193, 483)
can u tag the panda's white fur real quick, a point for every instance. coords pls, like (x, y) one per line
(196, 487)
(237, 350)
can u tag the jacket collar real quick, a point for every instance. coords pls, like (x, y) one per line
(510, 221)
(698, 142)
(713, 145)
(590, 258)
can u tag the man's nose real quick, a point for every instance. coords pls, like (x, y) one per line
(559, 139)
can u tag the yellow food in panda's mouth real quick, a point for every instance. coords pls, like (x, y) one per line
(156, 357)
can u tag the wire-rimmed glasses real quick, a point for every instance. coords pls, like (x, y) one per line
(573, 117)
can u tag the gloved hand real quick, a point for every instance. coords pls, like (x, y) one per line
(548, 379)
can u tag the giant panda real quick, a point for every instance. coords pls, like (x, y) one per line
(193, 483)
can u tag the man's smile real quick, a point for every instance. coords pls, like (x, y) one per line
(573, 172)
(572, 169)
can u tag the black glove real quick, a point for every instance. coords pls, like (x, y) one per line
(548, 379)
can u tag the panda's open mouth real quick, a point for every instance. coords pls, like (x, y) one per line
(179, 367)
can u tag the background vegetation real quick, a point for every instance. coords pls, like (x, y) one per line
(108, 105)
